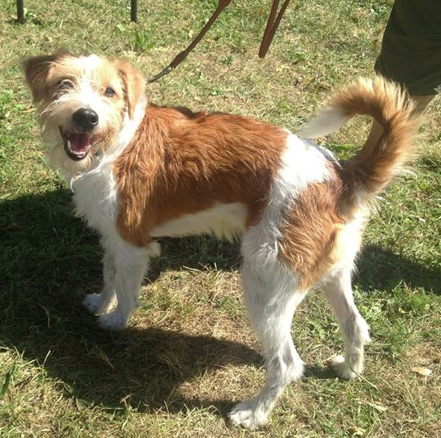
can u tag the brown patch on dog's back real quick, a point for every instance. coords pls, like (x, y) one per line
(181, 162)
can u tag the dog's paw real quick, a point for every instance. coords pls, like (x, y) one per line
(244, 414)
(113, 321)
(154, 249)
(338, 364)
(96, 304)
(93, 302)
(296, 371)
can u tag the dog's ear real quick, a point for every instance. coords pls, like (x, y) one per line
(133, 84)
(37, 72)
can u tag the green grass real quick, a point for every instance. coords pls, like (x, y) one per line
(189, 354)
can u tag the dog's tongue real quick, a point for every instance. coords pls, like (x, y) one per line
(77, 145)
(79, 142)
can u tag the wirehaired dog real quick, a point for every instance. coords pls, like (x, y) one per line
(141, 171)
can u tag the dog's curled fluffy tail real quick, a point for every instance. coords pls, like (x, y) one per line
(373, 167)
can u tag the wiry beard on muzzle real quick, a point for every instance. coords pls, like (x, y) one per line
(72, 149)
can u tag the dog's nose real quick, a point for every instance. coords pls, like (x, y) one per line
(85, 118)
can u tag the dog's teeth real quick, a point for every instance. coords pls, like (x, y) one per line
(69, 144)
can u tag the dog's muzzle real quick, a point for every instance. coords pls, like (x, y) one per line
(78, 141)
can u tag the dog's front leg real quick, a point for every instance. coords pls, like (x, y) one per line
(129, 266)
(103, 302)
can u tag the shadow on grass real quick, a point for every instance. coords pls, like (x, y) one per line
(379, 268)
(49, 260)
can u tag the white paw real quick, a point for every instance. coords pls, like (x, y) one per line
(92, 302)
(244, 414)
(340, 367)
(296, 372)
(95, 303)
(113, 321)
(154, 249)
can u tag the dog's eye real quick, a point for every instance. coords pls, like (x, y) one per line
(109, 92)
(65, 84)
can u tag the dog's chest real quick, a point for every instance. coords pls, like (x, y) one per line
(95, 199)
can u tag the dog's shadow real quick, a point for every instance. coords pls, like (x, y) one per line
(49, 260)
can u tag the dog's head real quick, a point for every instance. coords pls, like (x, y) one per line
(83, 103)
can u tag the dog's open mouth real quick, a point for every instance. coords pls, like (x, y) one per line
(77, 144)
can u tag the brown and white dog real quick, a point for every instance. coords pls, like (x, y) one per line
(140, 171)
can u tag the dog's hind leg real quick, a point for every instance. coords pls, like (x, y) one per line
(355, 331)
(271, 299)
(130, 265)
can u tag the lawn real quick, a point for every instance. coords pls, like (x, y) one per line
(189, 354)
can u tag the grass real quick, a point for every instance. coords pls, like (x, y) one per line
(189, 354)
